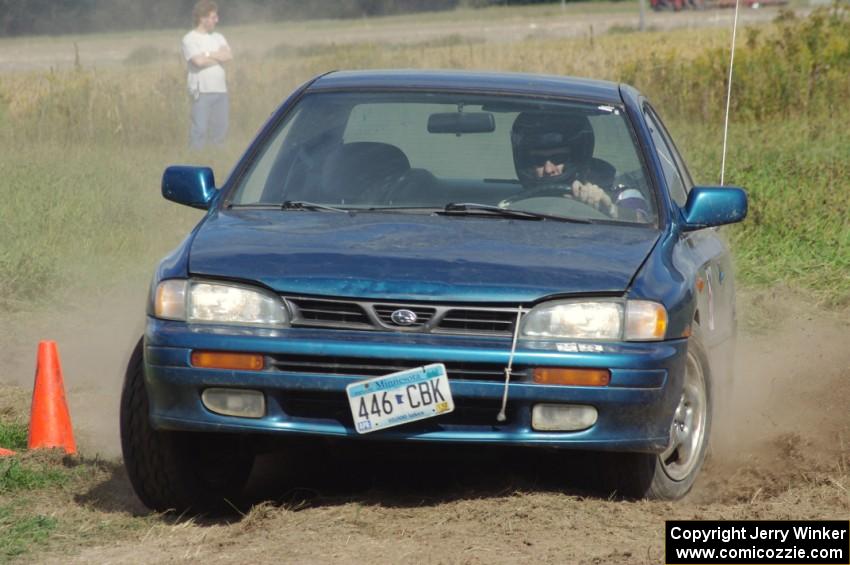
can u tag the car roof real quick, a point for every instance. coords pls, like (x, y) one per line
(513, 83)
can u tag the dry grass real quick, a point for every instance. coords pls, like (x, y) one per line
(83, 151)
(149, 105)
(787, 144)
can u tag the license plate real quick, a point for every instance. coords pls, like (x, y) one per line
(399, 398)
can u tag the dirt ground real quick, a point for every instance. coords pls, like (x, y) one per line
(781, 452)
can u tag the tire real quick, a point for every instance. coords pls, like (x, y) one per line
(671, 474)
(177, 471)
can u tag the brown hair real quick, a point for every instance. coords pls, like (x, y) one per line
(202, 9)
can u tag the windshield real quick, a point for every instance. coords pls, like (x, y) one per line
(414, 152)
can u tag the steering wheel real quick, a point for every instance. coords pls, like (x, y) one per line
(554, 199)
(562, 190)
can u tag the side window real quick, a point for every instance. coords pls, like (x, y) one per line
(675, 182)
(683, 168)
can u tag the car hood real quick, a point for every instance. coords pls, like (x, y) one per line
(418, 257)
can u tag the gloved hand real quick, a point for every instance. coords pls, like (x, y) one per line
(595, 196)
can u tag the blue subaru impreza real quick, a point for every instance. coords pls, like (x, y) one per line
(450, 257)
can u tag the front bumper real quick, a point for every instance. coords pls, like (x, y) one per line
(635, 409)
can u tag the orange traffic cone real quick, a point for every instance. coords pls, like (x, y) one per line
(50, 423)
(6, 452)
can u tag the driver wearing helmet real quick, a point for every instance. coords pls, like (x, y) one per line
(554, 152)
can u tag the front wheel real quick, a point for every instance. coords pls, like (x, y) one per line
(671, 474)
(175, 470)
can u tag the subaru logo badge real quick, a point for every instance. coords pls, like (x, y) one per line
(403, 317)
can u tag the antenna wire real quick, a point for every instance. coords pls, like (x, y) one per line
(729, 95)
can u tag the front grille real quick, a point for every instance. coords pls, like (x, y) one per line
(498, 322)
(377, 316)
(363, 367)
(329, 313)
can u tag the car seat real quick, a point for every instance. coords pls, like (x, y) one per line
(362, 173)
(601, 173)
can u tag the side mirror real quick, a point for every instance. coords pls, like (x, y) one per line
(710, 206)
(192, 186)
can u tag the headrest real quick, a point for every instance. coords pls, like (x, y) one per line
(359, 167)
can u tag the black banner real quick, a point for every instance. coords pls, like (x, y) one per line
(695, 542)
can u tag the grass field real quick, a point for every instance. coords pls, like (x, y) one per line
(82, 151)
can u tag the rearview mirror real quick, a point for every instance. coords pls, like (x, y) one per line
(192, 186)
(710, 206)
(461, 122)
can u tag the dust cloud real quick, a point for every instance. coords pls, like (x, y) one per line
(791, 376)
(94, 341)
(792, 372)
(787, 420)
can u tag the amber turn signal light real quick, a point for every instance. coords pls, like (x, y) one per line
(224, 360)
(574, 377)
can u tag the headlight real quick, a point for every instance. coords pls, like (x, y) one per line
(209, 302)
(580, 320)
(631, 320)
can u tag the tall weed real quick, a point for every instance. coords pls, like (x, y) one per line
(796, 171)
(797, 67)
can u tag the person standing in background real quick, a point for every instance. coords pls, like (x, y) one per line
(206, 52)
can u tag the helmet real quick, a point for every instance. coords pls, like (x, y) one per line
(566, 138)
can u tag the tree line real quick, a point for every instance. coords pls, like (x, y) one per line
(49, 17)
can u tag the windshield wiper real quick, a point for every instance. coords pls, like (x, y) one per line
(288, 205)
(467, 207)
(304, 205)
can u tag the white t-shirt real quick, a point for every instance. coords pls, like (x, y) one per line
(207, 79)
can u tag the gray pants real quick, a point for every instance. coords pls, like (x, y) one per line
(210, 114)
